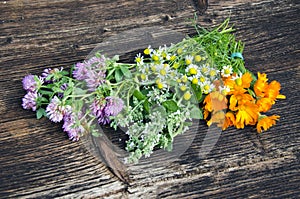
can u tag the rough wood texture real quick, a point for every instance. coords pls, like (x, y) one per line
(37, 160)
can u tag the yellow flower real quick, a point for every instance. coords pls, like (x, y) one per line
(266, 122)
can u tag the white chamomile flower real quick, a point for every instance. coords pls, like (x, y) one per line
(226, 71)
(205, 69)
(224, 90)
(194, 79)
(148, 50)
(213, 73)
(192, 69)
(156, 57)
(207, 87)
(189, 59)
(163, 71)
(139, 59)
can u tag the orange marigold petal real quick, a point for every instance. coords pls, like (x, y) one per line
(264, 104)
(266, 122)
(246, 80)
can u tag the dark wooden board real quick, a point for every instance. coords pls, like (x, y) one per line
(38, 161)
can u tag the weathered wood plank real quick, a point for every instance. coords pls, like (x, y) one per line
(38, 161)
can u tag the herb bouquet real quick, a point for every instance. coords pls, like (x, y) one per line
(156, 97)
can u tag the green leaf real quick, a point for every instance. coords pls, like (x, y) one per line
(170, 105)
(43, 92)
(197, 91)
(147, 106)
(126, 72)
(118, 75)
(139, 95)
(40, 113)
(196, 113)
(79, 91)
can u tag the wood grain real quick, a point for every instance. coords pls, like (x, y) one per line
(37, 160)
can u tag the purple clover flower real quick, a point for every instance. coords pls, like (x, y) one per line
(30, 84)
(29, 100)
(80, 71)
(97, 108)
(50, 71)
(103, 109)
(113, 106)
(62, 87)
(72, 127)
(92, 71)
(94, 79)
(56, 110)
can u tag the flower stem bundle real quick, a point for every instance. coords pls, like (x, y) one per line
(158, 95)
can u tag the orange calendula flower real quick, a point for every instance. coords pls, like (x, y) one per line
(247, 114)
(261, 85)
(229, 120)
(264, 104)
(266, 122)
(217, 118)
(238, 99)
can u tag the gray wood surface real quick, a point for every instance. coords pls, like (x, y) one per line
(38, 161)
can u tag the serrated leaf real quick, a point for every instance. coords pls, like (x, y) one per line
(170, 105)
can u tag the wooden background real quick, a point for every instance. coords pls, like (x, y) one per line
(38, 161)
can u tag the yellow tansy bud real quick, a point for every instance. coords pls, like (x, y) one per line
(187, 95)
(179, 51)
(188, 62)
(184, 79)
(143, 76)
(198, 58)
(183, 87)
